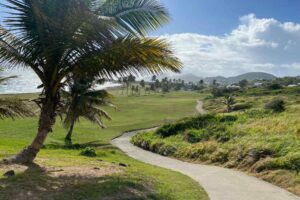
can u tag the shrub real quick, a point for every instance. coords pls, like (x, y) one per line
(274, 86)
(145, 144)
(200, 121)
(194, 136)
(167, 150)
(170, 129)
(200, 151)
(223, 91)
(222, 136)
(188, 123)
(155, 146)
(276, 105)
(89, 152)
(289, 162)
(220, 156)
(228, 118)
(241, 106)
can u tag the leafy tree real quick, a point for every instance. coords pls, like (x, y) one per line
(82, 101)
(154, 77)
(143, 85)
(55, 38)
(132, 90)
(215, 83)
(274, 86)
(243, 83)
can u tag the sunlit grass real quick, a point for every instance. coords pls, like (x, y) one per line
(132, 113)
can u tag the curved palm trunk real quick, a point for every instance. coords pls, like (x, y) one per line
(46, 121)
(68, 138)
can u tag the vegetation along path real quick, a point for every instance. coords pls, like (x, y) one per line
(219, 183)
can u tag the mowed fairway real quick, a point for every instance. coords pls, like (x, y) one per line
(71, 176)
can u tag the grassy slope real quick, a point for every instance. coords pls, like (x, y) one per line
(263, 144)
(139, 181)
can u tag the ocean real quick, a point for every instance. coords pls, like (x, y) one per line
(27, 82)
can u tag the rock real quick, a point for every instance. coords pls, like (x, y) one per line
(96, 168)
(123, 165)
(10, 173)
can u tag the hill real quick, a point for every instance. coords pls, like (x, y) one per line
(221, 79)
(251, 76)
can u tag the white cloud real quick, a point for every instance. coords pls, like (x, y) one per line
(255, 45)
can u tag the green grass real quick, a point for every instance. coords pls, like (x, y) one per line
(138, 181)
(261, 143)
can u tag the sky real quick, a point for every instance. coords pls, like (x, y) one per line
(230, 37)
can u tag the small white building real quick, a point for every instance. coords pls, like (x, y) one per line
(292, 85)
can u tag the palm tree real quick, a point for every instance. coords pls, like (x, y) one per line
(83, 101)
(55, 38)
(229, 101)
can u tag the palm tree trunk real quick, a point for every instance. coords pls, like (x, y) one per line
(68, 138)
(46, 121)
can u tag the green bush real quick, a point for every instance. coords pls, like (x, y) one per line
(155, 146)
(89, 152)
(222, 91)
(200, 151)
(228, 118)
(241, 106)
(188, 123)
(222, 136)
(274, 86)
(289, 162)
(276, 105)
(194, 136)
(170, 129)
(220, 156)
(167, 150)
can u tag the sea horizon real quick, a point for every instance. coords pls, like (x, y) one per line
(28, 82)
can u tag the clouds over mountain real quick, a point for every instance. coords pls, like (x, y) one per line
(255, 45)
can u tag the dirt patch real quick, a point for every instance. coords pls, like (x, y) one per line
(83, 171)
(87, 171)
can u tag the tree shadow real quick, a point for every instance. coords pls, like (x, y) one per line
(36, 183)
(95, 144)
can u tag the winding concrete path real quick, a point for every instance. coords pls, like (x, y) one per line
(219, 183)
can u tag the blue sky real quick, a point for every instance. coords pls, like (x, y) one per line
(217, 17)
(230, 37)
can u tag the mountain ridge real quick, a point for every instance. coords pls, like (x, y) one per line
(250, 76)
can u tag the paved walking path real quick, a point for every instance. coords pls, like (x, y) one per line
(219, 183)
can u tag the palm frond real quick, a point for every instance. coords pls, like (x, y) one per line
(135, 16)
(131, 55)
(12, 108)
(7, 78)
(95, 115)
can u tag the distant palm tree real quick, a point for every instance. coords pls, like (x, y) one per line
(55, 38)
(83, 101)
(229, 101)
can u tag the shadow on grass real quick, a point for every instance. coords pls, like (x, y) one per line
(95, 144)
(35, 184)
